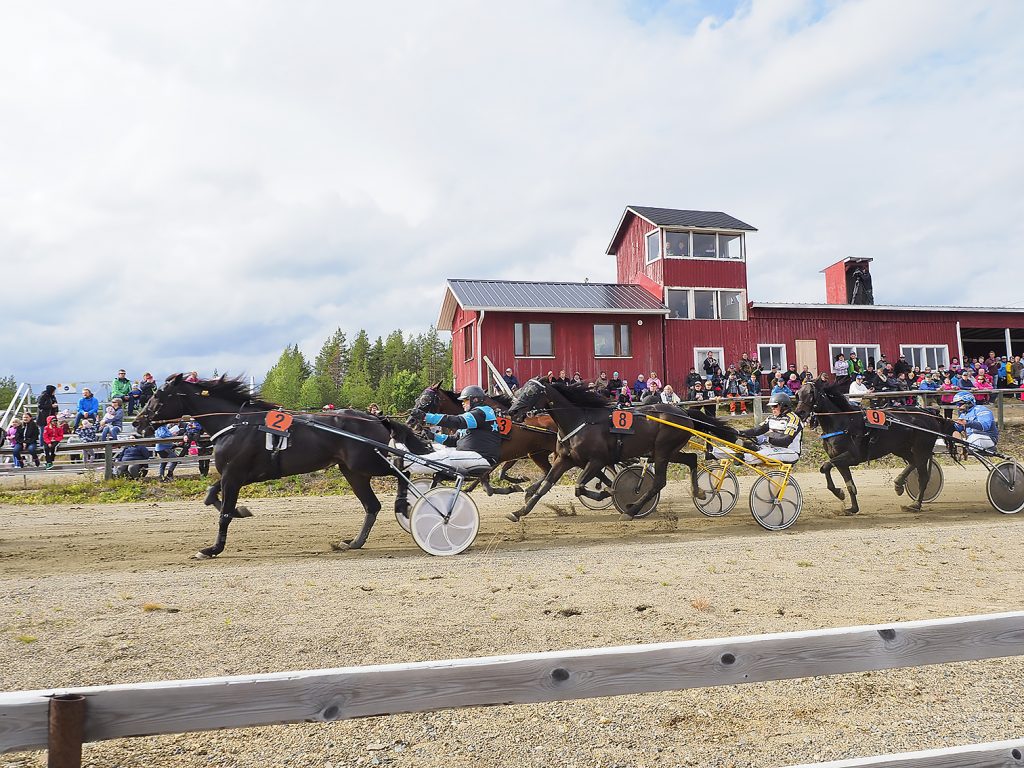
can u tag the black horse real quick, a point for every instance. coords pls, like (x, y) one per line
(233, 416)
(850, 441)
(585, 438)
(536, 441)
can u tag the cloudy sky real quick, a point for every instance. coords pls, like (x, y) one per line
(195, 185)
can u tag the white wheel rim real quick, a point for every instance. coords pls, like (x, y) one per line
(437, 536)
(775, 514)
(1002, 474)
(721, 501)
(403, 521)
(935, 483)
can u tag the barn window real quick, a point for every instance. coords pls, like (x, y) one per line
(772, 354)
(654, 246)
(867, 353)
(926, 355)
(678, 303)
(611, 340)
(533, 340)
(731, 305)
(704, 305)
(703, 245)
(467, 342)
(677, 245)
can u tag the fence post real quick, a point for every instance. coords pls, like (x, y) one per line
(999, 408)
(66, 731)
(758, 413)
(108, 462)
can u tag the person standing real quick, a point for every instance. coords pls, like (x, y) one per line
(510, 380)
(47, 406)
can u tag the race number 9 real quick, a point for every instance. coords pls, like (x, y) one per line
(504, 425)
(875, 417)
(622, 420)
(278, 420)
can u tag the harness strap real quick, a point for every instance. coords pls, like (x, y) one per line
(834, 434)
(228, 428)
(566, 438)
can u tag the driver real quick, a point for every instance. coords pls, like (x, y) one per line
(778, 436)
(975, 422)
(477, 442)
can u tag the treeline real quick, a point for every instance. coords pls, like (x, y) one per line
(8, 386)
(390, 371)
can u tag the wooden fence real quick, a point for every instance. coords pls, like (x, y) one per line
(62, 719)
(104, 460)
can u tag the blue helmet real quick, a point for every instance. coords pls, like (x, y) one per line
(965, 400)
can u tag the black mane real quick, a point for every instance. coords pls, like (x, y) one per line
(838, 398)
(580, 395)
(234, 390)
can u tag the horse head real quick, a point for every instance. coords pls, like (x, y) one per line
(166, 404)
(532, 396)
(805, 401)
(425, 403)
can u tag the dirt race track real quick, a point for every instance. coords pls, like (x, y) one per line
(75, 581)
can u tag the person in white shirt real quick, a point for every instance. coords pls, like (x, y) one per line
(858, 387)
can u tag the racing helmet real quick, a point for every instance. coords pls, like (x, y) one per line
(781, 399)
(965, 400)
(472, 393)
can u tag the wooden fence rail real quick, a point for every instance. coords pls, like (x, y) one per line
(338, 694)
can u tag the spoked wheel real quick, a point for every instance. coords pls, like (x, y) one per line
(595, 484)
(437, 536)
(422, 485)
(629, 485)
(721, 489)
(1005, 487)
(771, 512)
(935, 483)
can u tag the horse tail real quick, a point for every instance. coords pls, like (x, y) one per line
(702, 422)
(403, 434)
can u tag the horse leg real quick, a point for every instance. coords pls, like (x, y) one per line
(901, 479)
(511, 479)
(690, 460)
(592, 470)
(227, 514)
(371, 506)
(844, 470)
(213, 500)
(402, 499)
(559, 468)
(660, 481)
(924, 471)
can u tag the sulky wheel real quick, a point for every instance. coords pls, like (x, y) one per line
(771, 512)
(422, 485)
(1005, 487)
(629, 485)
(721, 489)
(595, 484)
(935, 483)
(436, 535)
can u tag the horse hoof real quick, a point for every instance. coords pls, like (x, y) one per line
(850, 512)
(899, 490)
(341, 546)
(840, 494)
(200, 555)
(513, 517)
(241, 512)
(625, 518)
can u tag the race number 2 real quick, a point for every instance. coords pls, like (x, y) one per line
(279, 421)
(622, 421)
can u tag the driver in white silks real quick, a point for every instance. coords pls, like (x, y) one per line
(477, 442)
(975, 422)
(778, 436)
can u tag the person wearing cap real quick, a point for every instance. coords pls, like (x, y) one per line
(902, 366)
(778, 436)
(511, 380)
(975, 423)
(858, 387)
(476, 445)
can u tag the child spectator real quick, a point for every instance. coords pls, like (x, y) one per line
(165, 450)
(113, 420)
(53, 433)
(12, 440)
(744, 392)
(193, 432)
(87, 434)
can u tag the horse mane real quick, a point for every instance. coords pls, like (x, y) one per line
(234, 390)
(838, 398)
(503, 400)
(580, 395)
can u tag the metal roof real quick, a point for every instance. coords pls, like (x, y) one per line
(886, 307)
(673, 217)
(526, 296)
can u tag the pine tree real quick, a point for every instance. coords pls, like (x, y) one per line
(283, 383)
(375, 360)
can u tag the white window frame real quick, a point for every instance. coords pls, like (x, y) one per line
(526, 349)
(472, 338)
(783, 361)
(618, 330)
(718, 250)
(647, 248)
(910, 349)
(718, 302)
(835, 349)
(700, 354)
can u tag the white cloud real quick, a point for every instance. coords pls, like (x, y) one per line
(197, 186)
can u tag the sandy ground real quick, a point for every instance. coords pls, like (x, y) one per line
(75, 581)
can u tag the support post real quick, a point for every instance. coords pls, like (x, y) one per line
(108, 462)
(999, 410)
(758, 412)
(1009, 346)
(66, 731)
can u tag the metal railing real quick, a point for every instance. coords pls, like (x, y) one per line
(105, 452)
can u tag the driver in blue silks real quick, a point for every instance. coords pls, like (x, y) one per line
(477, 444)
(975, 421)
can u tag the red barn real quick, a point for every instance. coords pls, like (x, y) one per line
(682, 292)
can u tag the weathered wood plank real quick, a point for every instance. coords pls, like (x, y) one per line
(994, 754)
(334, 694)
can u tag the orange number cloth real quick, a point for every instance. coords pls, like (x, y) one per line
(278, 420)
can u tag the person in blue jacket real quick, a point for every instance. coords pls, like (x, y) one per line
(477, 443)
(975, 423)
(88, 408)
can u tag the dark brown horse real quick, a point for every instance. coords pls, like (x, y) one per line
(246, 454)
(534, 438)
(585, 439)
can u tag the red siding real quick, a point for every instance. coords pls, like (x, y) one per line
(573, 339)
(631, 253)
(464, 371)
(705, 273)
(835, 283)
(682, 336)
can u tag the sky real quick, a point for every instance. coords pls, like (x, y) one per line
(197, 185)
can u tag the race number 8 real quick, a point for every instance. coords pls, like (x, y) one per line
(622, 420)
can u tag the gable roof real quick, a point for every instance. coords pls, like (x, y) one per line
(673, 217)
(527, 296)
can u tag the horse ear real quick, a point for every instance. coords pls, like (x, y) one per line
(437, 385)
(176, 378)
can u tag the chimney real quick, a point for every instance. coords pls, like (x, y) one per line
(849, 282)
